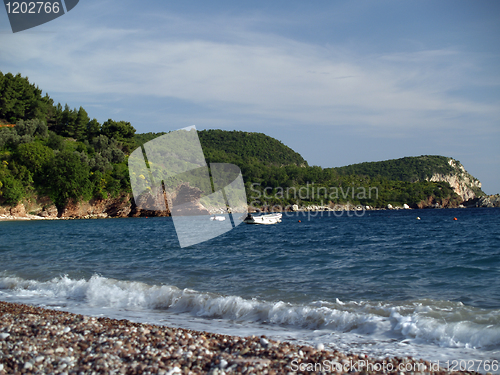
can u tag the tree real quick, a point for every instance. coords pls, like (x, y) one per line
(119, 130)
(56, 119)
(68, 121)
(20, 100)
(31, 128)
(8, 137)
(12, 190)
(80, 126)
(93, 129)
(68, 178)
(35, 156)
(122, 131)
(55, 141)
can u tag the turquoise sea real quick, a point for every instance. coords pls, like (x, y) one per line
(381, 283)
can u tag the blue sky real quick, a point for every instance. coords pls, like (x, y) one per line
(340, 82)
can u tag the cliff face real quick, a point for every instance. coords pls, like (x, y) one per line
(98, 208)
(43, 208)
(121, 206)
(431, 202)
(465, 185)
(485, 201)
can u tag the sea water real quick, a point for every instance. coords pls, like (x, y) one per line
(382, 283)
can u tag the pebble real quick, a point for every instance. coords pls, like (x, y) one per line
(223, 364)
(96, 345)
(28, 366)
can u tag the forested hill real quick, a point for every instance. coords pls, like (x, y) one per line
(409, 169)
(240, 148)
(420, 168)
(52, 151)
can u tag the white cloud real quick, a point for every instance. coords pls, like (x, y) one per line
(254, 74)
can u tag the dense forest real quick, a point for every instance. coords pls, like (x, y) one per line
(239, 147)
(62, 153)
(57, 151)
(409, 169)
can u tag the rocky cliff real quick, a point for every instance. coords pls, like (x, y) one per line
(43, 208)
(465, 185)
(484, 201)
(121, 206)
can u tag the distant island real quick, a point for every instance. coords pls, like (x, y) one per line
(58, 162)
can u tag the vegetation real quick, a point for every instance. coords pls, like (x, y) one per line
(57, 152)
(276, 175)
(239, 148)
(62, 153)
(410, 169)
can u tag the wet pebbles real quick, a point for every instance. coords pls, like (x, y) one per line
(39, 341)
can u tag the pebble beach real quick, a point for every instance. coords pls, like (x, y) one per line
(35, 340)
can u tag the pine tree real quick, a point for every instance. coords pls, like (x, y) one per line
(80, 125)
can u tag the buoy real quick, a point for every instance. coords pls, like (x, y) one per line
(300, 221)
(418, 217)
(455, 218)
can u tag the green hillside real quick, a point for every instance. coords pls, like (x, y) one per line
(64, 154)
(409, 169)
(238, 147)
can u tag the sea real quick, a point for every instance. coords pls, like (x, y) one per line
(419, 283)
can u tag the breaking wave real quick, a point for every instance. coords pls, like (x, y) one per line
(442, 323)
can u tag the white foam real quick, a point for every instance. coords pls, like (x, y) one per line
(372, 327)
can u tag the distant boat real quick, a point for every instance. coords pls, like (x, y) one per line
(263, 219)
(217, 218)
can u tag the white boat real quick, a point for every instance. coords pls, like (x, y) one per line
(217, 218)
(263, 219)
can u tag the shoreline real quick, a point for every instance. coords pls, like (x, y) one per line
(40, 340)
(30, 217)
(123, 206)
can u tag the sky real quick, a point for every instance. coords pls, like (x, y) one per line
(340, 82)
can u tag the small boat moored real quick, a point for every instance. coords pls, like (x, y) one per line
(217, 218)
(263, 219)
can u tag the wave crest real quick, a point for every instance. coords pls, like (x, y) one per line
(445, 323)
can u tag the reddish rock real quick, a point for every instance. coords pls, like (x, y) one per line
(110, 207)
(19, 210)
(121, 206)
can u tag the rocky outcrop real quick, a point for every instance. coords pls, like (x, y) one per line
(432, 202)
(121, 206)
(465, 185)
(43, 208)
(148, 204)
(98, 208)
(486, 201)
(18, 210)
(186, 201)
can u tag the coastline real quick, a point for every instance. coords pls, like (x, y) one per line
(263, 209)
(124, 206)
(39, 340)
